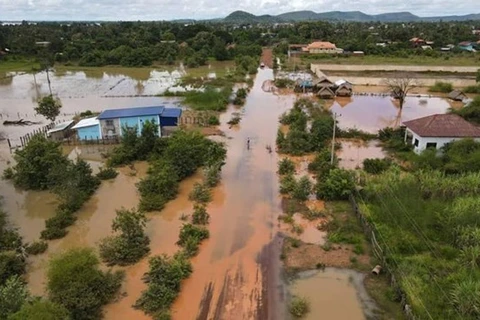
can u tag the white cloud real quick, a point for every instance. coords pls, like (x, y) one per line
(202, 9)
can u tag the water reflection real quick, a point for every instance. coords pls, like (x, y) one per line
(373, 113)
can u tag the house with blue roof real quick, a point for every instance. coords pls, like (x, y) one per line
(111, 122)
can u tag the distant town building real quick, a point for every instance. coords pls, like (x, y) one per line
(322, 47)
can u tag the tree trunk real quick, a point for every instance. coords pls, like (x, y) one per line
(48, 80)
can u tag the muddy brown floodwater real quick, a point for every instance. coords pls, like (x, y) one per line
(236, 274)
(372, 113)
(334, 294)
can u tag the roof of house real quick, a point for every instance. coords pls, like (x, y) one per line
(465, 43)
(322, 81)
(171, 112)
(130, 112)
(443, 125)
(321, 45)
(340, 82)
(88, 122)
(455, 93)
(326, 90)
(417, 40)
(61, 126)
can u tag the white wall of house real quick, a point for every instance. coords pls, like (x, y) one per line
(421, 143)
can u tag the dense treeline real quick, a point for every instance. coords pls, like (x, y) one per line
(142, 43)
(130, 43)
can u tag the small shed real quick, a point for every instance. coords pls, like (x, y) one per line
(457, 95)
(301, 85)
(88, 129)
(61, 131)
(170, 117)
(325, 93)
(323, 82)
(344, 90)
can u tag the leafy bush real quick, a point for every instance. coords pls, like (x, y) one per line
(212, 175)
(41, 310)
(107, 173)
(302, 189)
(287, 184)
(13, 295)
(242, 93)
(11, 264)
(286, 166)
(8, 174)
(190, 238)
(299, 307)
(234, 120)
(131, 244)
(283, 83)
(440, 86)
(35, 161)
(200, 215)
(213, 121)
(238, 101)
(472, 89)
(159, 187)
(200, 193)
(37, 247)
(164, 279)
(56, 225)
(376, 166)
(321, 164)
(75, 282)
(337, 185)
(470, 112)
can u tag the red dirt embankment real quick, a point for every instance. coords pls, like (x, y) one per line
(267, 57)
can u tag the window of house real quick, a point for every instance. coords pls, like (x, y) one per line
(109, 122)
(416, 143)
(432, 145)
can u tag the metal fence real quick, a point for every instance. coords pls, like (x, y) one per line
(371, 233)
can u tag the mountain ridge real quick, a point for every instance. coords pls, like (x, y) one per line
(308, 15)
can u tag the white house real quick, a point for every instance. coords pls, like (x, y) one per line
(437, 130)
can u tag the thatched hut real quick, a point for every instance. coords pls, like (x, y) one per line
(343, 91)
(457, 95)
(325, 93)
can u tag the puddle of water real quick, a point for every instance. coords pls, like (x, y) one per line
(334, 294)
(310, 233)
(353, 153)
(238, 263)
(372, 113)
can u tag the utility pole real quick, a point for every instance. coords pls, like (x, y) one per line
(333, 138)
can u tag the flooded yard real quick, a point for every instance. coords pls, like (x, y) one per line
(334, 294)
(352, 153)
(372, 113)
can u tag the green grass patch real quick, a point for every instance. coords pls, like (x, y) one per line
(211, 98)
(343, 226)
(17, 66)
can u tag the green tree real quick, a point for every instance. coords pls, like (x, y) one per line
(160, 186)
(220, 51)
(337, 185)
(75, 282)
(41, 310)
(13, 295)
(49, 107)
(35, 162)
(302, 189)
(131, 244)
(147, 139)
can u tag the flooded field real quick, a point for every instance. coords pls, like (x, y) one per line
(372, 113)
(334, 294)
(352, 153)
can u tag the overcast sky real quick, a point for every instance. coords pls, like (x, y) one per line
(204, 9)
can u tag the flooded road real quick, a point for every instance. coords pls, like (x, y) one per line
(241, 259)
(334, 294)
(371, 113)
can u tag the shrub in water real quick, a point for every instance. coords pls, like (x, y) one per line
(286, 166)
(107, 173)
(299, 307)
